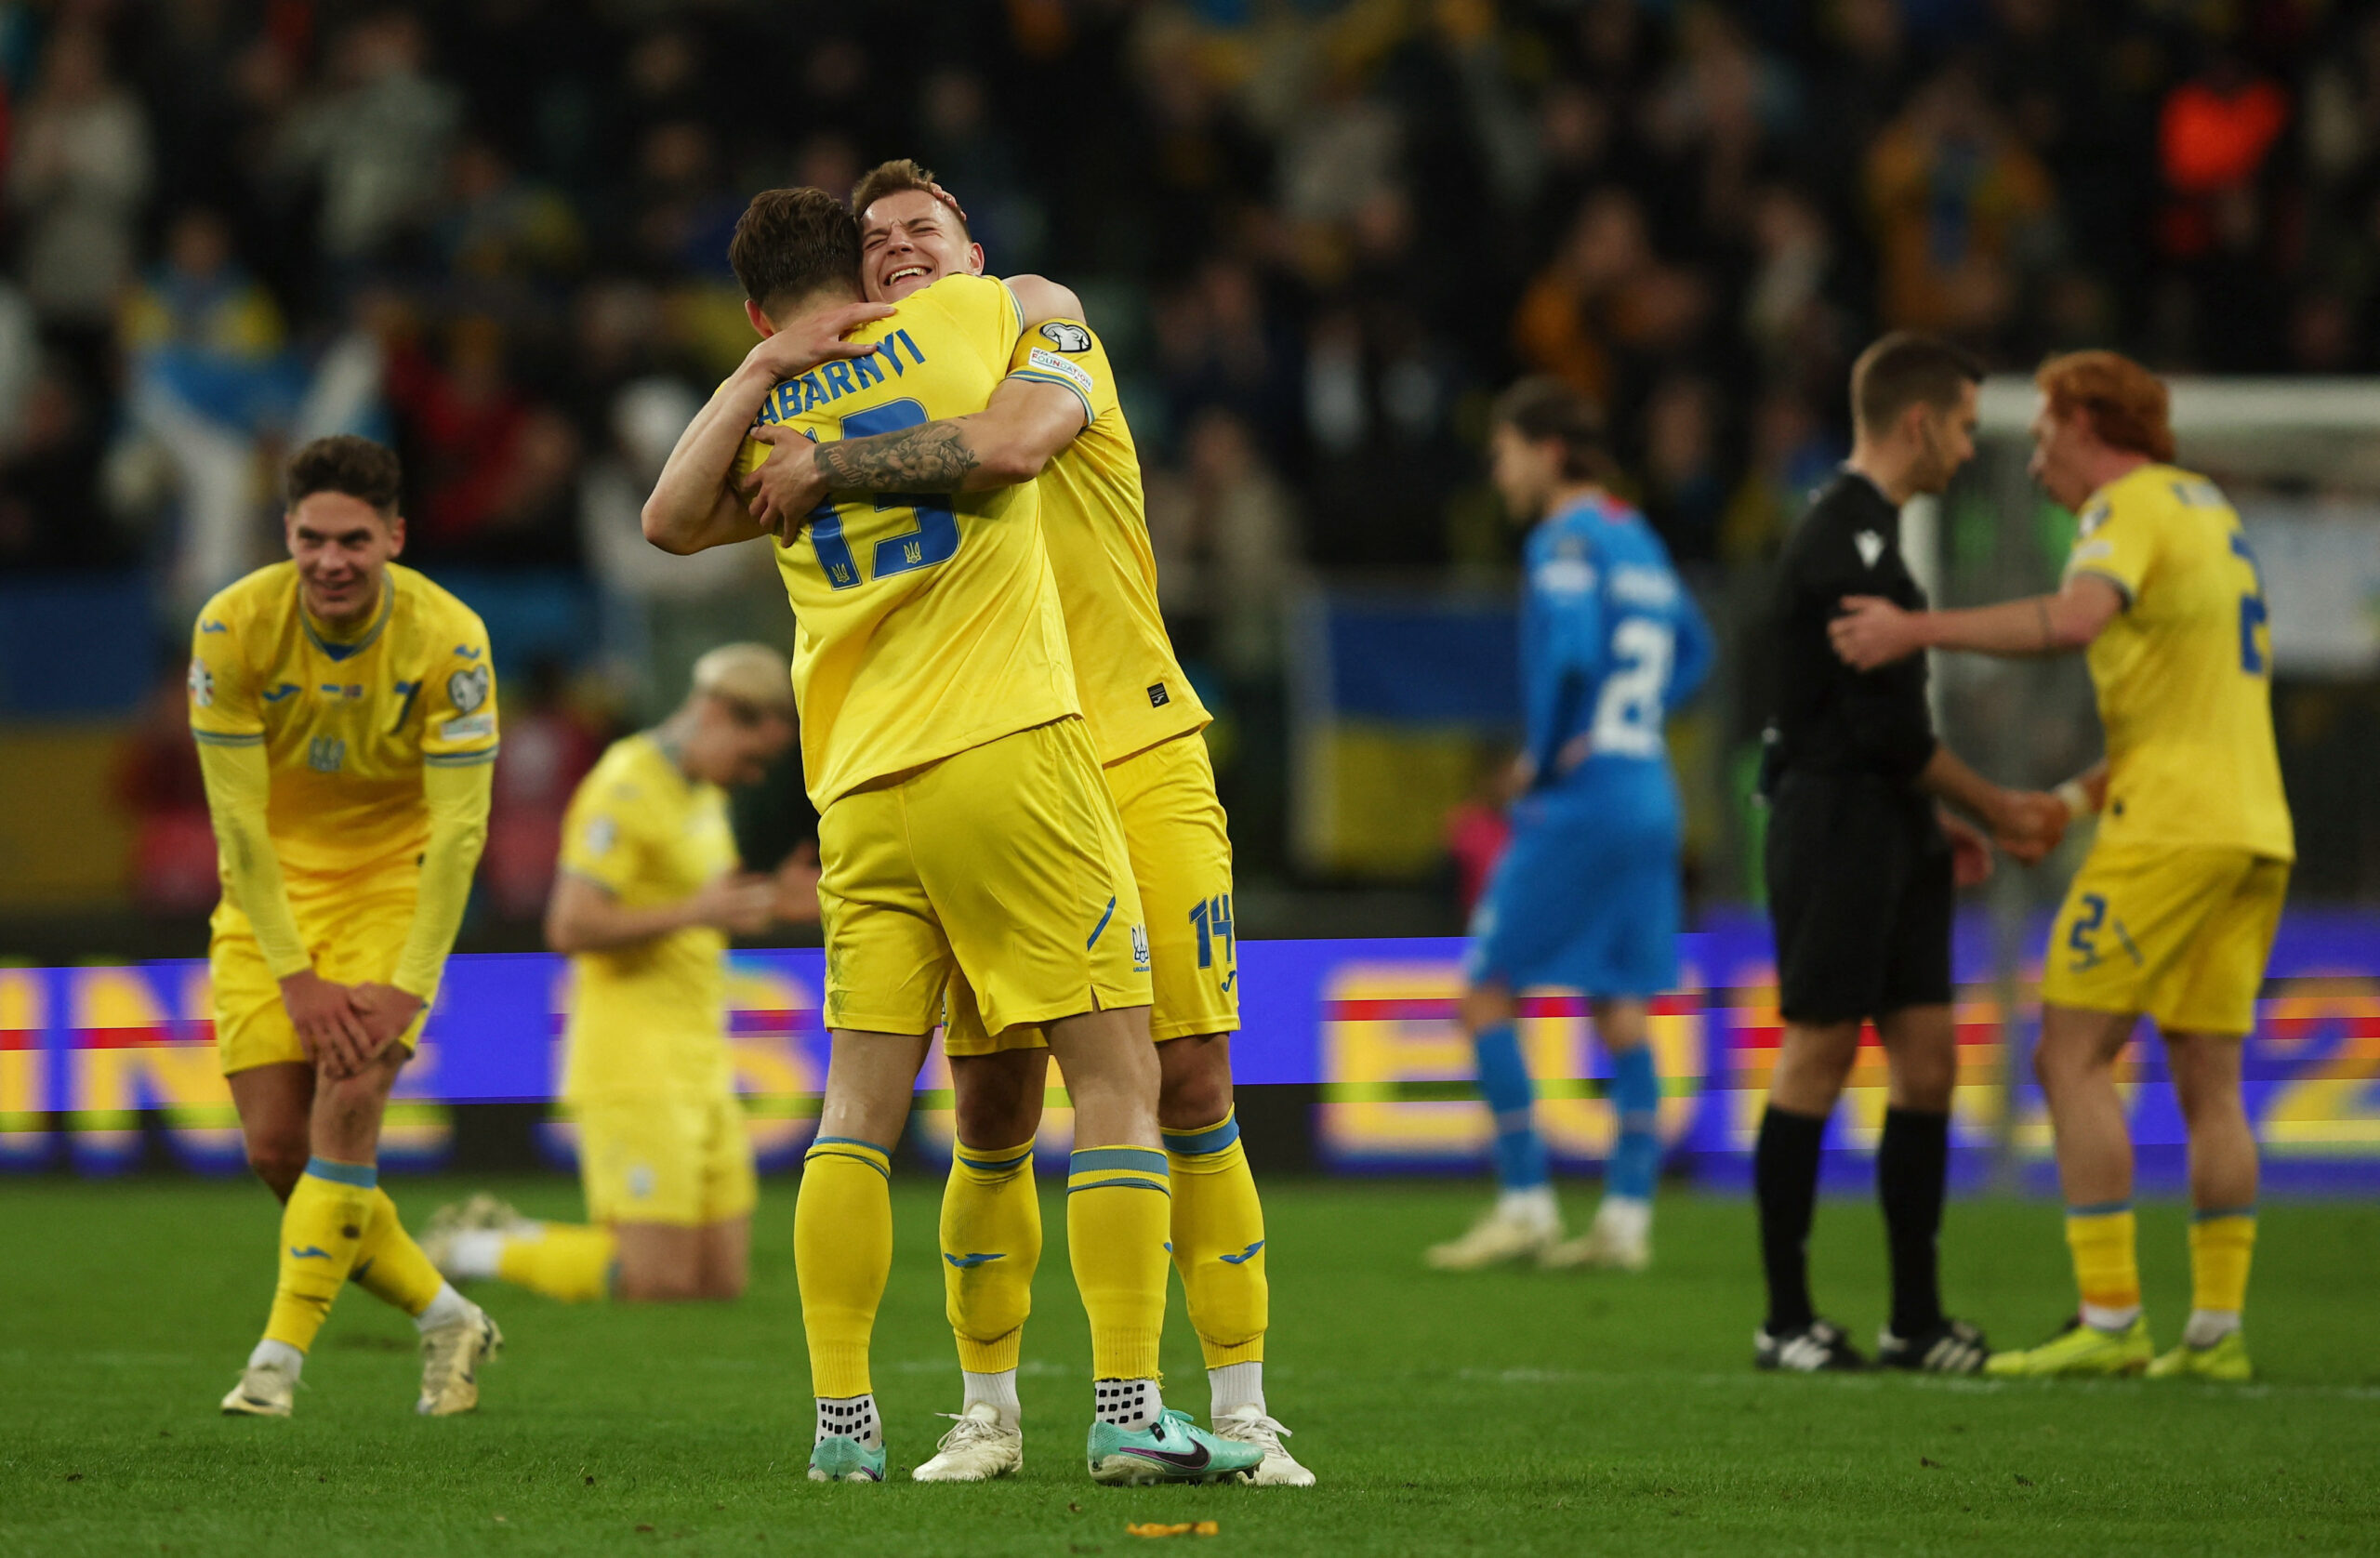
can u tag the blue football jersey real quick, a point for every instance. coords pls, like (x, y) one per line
(1610, 642)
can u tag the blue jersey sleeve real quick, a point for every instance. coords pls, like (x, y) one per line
(1562, 650)
(1695, 652)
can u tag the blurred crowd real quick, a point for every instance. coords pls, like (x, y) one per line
(1317, 233)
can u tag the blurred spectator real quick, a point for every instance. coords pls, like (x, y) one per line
(78, 174)
(376, 139)
(493, 470)
(1961, 210)
(1223, 532)
(203, 340)
(50, 505)
(547, 748)
(645, 420)
(157, 783)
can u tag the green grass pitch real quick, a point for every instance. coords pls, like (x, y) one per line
(1506, 1413)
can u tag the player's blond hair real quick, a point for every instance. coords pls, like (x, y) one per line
(748, 677)
(2129, 407)
(899, 175)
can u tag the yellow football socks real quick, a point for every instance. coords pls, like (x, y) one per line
(1219, 1241)
(843, 1253)
(991, 1242)
(567, 1261)
(2107, 1267)
(1118, 1214)
(322, 1228)
(389, 1265)
(2222, 1244)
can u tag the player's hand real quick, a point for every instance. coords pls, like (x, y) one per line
(331, 1030)
(742, 902)
(385, 1012)
(789, 485)
(791, 353)
(1871, 632)
(1519, 775)
(2029, 825)
(1575, 750)
(797, 882)
(1970, 851)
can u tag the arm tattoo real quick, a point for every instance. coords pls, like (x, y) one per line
(933, 458)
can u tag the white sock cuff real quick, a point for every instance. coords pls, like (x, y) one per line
(2207, 1326)
(1236, 1385)
(447, 1308)
(280, 1355)
(995, 1391)
(2101, 1317)
(1129, 1404)
(475, 1254)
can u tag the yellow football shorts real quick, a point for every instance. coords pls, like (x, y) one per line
(252, 1027)
(1004, 863)
(2181, 934)
(680, 1158)
(1181, 850)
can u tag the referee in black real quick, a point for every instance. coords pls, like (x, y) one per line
(1863, 859)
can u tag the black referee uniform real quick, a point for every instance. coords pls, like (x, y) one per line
(1861, 890)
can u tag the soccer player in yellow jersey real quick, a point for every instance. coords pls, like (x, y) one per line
(650, 885)
(2174, 909)
(963, 828)
(1056, 418)
(345, 713)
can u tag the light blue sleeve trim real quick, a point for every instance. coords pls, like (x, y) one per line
(1089, 415)
(459, 760)
(226, 738)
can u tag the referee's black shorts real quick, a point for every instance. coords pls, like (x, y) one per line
(1861, 894)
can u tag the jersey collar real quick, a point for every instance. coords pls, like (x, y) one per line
(348, 650)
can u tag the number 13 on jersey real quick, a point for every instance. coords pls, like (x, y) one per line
(933, 539)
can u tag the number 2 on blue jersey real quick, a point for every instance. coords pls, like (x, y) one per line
(935, 539)
(1627, 710)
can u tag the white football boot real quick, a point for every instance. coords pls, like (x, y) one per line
(1507, 1232)
(978, 1447)
(1248, 1425)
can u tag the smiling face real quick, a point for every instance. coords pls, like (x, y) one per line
(343, 547)
(909, 240)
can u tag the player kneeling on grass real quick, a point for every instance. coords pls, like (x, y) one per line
(2174, 910)
(345, 715)
(1587, 895)
(649, 889)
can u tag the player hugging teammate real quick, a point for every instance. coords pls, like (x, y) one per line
(1012, 837)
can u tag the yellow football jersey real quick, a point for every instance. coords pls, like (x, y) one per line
(2184, 673)
(347, 725)
(653, 1013)
(1134, 692)
(924, 624)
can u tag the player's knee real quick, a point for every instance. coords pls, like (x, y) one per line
(278, 1161)
(997, 1118)
(1195, 1092)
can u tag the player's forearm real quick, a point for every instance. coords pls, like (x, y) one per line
(457, 797)
(593, 921)
(1949, 778)
(2059, 623)
(239, 793)
(936, 458)
(695, 504)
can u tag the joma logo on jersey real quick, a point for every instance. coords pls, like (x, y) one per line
(325, 754)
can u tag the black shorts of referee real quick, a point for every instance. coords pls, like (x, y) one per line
(1860, 896)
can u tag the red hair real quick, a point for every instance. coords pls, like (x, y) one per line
(2128, 405)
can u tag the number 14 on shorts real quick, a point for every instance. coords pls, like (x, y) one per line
(1211, 920)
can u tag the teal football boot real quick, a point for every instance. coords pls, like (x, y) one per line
(841, 1459)
(1171, 1449)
